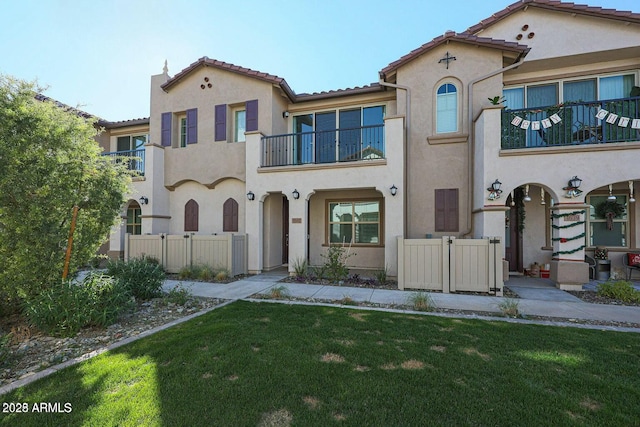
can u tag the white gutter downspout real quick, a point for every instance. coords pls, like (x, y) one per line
(470, 153)
(406, 144)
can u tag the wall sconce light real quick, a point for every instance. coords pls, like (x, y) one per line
(394, 190)
(296, 195)
(611, 196)
(285, 114)
(542, 200)
(144, 200)
(526, 198)
(250, 195)
(494, 190)
(631, 198)
(513, 200)
(572, 188)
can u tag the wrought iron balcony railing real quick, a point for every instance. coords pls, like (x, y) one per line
(331, 146)
(572, 123)
(133, 158)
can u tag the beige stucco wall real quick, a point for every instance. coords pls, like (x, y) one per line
(440, 161)
(210, 203)
(272, 242)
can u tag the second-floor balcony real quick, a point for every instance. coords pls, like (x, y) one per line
(572, 123)
(133, 158)
(321, 147)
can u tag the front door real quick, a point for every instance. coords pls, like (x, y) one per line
(285, 230)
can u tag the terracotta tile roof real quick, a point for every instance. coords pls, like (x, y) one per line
(80, 113)
(206, 62)
(458, 37)
(581, 9)
(373, 87)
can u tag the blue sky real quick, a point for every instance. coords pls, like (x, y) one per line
(99, 54)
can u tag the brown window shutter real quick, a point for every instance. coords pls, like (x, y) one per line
(446, 210)
(191, 216)
(230, 215)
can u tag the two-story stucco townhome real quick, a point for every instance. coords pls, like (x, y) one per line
(414, 155)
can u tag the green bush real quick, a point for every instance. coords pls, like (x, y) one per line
(68, 307)
(620, 290)
(178, 295)
(335, 265)
(141, 276)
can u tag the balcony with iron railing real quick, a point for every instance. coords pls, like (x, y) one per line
(572, 123)
(324, 147)
(133, 158)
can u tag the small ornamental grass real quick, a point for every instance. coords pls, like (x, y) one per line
(510, 308)
(68, 307)
(421, 301)
(143, 277)
(620, 290)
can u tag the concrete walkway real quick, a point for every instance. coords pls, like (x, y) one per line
(538, 297)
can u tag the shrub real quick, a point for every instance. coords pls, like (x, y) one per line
(382, 275)
(178, 295)
(206, 273)
(620, 290)
(335, 265)
(221, 275)
(68, 307)
(421, 301)
(278, 292)
(510, 308)
(142, 277)
(300, 267)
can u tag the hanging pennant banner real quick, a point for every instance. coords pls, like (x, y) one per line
(623, 122)
(555, 118)
(535, 125)
(546, 123)
(611, 118)
(516, 121)
(635, 123)
(602, 114)
(525, 124)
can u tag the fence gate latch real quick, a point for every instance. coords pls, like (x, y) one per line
(494, 241)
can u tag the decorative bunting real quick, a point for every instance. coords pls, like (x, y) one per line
(546, 123)
(525, 124)
(554, 119)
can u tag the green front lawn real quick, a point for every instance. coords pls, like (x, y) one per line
(249, 364)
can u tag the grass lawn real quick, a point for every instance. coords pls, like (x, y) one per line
(250, 364)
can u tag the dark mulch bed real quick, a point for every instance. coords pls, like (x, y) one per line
(354, 281)
(593, 298)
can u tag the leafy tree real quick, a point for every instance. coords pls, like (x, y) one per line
(49, 163)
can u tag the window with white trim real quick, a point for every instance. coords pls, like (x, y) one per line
(612, 231)
(355, 222)
(447, 108)
(239, 125)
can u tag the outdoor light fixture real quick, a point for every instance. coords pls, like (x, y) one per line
(394, 190)
(296, 195)
(513, 200)
(611, 196)
(631, 198)
(572, 188)
(526, 198)
(285, 114)
(542, 201)
(494, 190)
(250, 195)
(144, 200)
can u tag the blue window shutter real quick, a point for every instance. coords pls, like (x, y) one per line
(252, 115)
(221, 122)
(192, 126)
(165, 136)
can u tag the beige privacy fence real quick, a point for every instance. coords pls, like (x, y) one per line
(448, 264)
(175, 251)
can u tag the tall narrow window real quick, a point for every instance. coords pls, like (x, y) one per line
(230, 215)
(447, 109)
(446, 204)
(183, 131)
(240, 125)
(134, 222)
(191, 216)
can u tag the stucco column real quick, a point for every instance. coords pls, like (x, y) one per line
(254, 227)
(489, 221)
(394, 228)
(568, 268)
(155, 215)
(116, 239)
(298, 214)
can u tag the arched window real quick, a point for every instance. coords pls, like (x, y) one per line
(230, 215)
(447, 109)
(191, 216)
(134, 223)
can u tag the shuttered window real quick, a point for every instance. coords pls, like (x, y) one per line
(165, 136)
(221, 122)
(191, 216)
(230, 215)
(446, 204)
